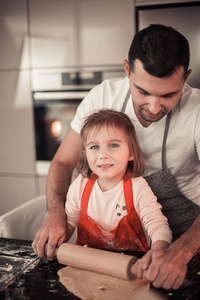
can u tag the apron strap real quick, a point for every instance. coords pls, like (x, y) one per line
(128, 195)
(132, 214)
(86, 193)
(163, 161)
(126, 101)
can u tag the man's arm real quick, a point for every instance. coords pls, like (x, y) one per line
(53, 230)
(167, 268)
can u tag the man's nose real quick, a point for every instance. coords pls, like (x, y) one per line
(154, 105)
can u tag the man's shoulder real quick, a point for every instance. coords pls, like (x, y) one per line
(113, 85)
(188, 107)
(111, 93)
(190, 96)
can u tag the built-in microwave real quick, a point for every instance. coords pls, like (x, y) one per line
(56, 96)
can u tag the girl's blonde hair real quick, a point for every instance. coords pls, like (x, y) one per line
(118, 120)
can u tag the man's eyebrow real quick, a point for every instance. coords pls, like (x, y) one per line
(164, 95)
(141, 89)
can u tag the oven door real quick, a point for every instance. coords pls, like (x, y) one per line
(53, 112)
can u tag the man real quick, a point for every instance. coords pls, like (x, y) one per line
(166, 114)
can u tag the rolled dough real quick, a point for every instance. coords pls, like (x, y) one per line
(94, 286)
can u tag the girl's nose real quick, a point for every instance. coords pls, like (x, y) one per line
(104, 154)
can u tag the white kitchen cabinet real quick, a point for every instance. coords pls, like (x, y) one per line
(15, 190)
(53, 33)
(13, 33)
(106, 29)
(17, 150)
(75, 33)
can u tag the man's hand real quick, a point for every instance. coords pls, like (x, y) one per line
(163, 268)
(50, 235)
(167, 268)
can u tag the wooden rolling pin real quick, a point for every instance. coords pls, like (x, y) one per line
(95, 260)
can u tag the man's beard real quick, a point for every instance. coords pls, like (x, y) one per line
(148, 117)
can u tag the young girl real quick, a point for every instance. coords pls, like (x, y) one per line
(112, 204)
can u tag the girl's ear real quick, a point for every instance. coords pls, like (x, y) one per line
(131, 157)
(84, 154)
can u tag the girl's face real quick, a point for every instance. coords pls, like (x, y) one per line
(108, 154)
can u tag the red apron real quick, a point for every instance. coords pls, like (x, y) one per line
(127, 235)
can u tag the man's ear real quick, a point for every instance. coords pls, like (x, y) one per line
(188, 74)
(127, 68)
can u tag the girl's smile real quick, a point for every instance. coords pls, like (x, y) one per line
(105, 166)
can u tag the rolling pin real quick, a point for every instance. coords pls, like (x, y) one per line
(96, 260)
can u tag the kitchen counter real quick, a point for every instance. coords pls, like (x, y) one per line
(24, 276)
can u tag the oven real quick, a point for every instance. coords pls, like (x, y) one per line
(56, 95)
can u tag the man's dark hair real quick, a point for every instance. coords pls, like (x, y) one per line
(161, 49)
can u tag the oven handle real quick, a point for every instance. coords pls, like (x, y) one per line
(59, 95)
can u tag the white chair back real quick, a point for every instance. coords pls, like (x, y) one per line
(23, 221)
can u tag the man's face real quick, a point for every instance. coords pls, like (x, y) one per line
(153, 97)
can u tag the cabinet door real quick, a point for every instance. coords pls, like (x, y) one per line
(76, 32)
(106, 29)
(53, 33)
(17, 150)
(13, 32)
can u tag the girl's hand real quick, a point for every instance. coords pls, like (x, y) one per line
(141, 265)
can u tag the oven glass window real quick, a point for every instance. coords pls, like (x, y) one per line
(52, 121)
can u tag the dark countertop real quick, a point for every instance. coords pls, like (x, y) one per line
(39, 279)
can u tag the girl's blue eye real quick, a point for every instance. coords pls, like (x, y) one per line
(113, 146)
(94, 147)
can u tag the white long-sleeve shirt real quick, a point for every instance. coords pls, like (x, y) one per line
(107, 208)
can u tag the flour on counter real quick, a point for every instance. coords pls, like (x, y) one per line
(14, 260)
(6, 268)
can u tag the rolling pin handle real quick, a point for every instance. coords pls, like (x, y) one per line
(130, 273)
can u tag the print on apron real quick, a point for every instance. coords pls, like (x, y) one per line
(127, 235)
